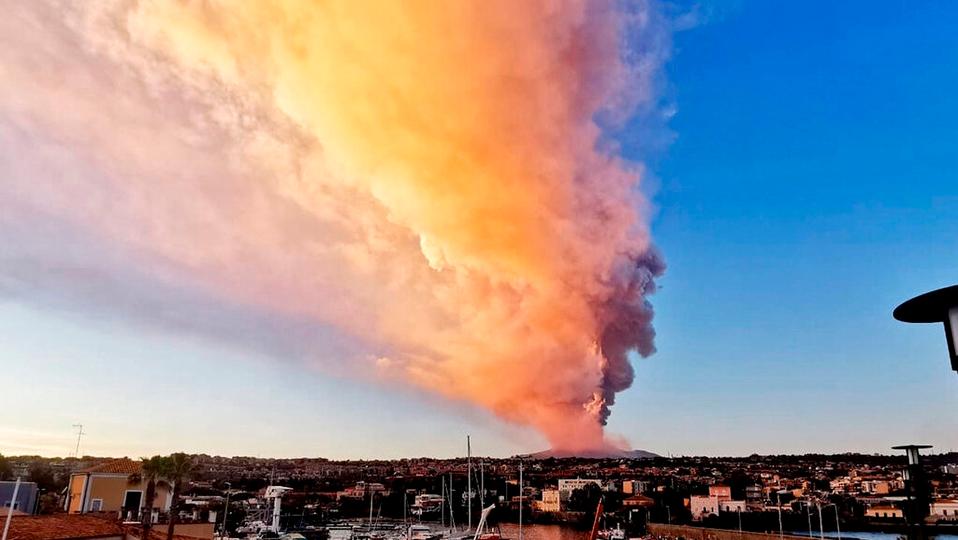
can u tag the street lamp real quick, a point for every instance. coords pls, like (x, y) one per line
(821, 524)
(226, 509)
(939, 306)
(916, 489)
(778, 503)
(838, 527)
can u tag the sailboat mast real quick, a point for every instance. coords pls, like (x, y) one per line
(469, 482)
(482, 485)
(520, 500)
(452, 516)
(370, 506)
(442, 508)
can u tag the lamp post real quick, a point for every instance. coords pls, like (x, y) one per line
(821, 524)
(838, 527)
(739, 521)
(226, 509)
(916, 489)
(778, 504)
(940, 306)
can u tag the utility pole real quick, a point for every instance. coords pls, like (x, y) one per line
(79, 428)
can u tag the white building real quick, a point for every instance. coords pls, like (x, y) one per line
(732, 506)
(945, 510)
(568, 485)
(703, 506)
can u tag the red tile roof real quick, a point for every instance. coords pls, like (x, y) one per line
(62, 527)
(115, 466)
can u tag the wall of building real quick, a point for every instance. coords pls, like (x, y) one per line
(702, 505)
(703, 533)
(111, 489)
(26, 496)
(720, 491)
(77, 482)
(550, 501)
(193, 530)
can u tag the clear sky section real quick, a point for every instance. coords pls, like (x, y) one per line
(812, 185)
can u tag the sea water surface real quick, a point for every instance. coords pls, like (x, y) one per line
(560, 532)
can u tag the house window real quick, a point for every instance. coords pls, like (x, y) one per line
(96, 505)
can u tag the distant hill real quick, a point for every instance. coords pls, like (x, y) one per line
(594, 454)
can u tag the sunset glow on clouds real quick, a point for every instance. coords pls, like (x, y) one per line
(425, 193)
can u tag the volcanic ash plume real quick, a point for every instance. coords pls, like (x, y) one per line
(424, 192)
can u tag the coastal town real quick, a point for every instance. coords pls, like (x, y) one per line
(808, 495)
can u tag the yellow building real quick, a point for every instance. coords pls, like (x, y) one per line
(115, 486)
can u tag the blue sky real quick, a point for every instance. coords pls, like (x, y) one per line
(811, 187)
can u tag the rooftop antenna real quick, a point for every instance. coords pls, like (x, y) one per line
(79, 428)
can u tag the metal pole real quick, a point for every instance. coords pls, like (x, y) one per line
(76, 453)
(226, 509)
(838, 526)
(520, 500)
(808, 510)
(821, 525)
(482, 485)
(778, 500)
(13, 504)
(468, 483)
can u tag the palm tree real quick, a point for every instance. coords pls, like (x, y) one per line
(178, 468)
(153, 470)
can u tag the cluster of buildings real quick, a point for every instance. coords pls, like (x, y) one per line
(850, 488)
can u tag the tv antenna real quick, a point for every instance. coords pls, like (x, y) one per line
(79, 428)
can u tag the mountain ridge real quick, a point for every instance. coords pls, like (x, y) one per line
(611, 453)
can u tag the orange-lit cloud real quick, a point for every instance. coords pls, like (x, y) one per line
(419, 191)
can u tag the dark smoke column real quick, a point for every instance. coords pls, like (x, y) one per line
(627, 317)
